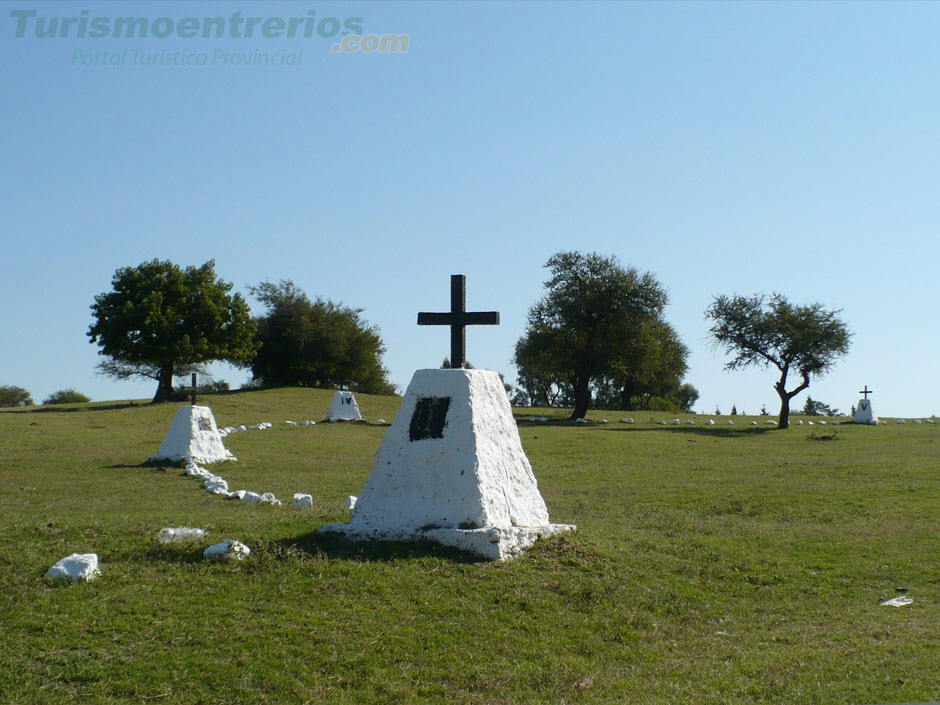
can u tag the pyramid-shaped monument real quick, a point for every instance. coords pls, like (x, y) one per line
(451, 469)
(864, 413)
(344, 407)
(193, 434)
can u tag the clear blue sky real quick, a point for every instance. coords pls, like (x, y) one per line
(725, 147)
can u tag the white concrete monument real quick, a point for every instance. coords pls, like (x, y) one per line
(344, 408)
(193, 434)
(451, 468)
(864, 413)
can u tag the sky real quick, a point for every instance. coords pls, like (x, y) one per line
(724, 147)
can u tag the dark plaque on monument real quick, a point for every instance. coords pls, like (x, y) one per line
(429, 418)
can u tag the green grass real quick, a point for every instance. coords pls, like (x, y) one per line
(711, 565)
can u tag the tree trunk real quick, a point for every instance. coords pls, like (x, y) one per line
(783, 421)
(164, 384)
(582, 397)
(626, 394)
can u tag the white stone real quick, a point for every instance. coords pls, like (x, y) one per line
(304, 501)
(710, 422)
(351, 502)
(238, 494)
(543, 419)
(753, 423)
(269, 498)
(344, 408)
(809, 423)
(250, 497)
(690, 422)
(235, 550)
(381, 421)
(580, 420)
(180, 533)
(800, 422)
(770, 422)
(308, 423)
(865, 413)
(730, 422)
(472, 487)
(822, 423)
(215, 484)
(661, 423)
(193, 434)
(531, 418)
(916, 420)
(675, 422)
(78, 567)
(929, 420)
(900, 601)
(605, 421)
(900, 420)
(628, 420)
(290, 423)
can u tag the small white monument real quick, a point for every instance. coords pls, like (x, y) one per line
(193, 434)
(451, 468)
(864, 412)
(344, 408)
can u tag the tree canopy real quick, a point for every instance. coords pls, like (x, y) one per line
(160, 321)
(316, 343)
(770, 331)
(11, 396)
(597, 320)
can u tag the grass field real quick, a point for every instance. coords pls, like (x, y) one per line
(711, 565)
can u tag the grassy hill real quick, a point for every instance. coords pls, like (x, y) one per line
(711, 565)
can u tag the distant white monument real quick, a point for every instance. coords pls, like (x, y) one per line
(193, 434)
(344, 408)
(864, 413)
(451, 468)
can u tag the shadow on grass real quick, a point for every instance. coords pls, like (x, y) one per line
(63, 408)
(372, 551)
(711, 431)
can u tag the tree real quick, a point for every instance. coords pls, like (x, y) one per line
(651, 364)
(580, 329)
(817, 408)
(66, 396)
(14, 396)
(161, 322)
(316, 343)
(761, 331)
(687, 395)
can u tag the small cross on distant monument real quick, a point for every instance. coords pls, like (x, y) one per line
(458, 319)
(866, 391)
(192, 399)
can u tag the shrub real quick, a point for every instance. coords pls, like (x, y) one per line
(66, 396)
(14, 396)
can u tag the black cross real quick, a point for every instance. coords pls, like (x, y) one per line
(192, 399)
(866, 391)
(458, 319)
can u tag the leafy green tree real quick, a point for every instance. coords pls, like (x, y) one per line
(817, 408)
(14, 396)
(161, 321)
(761, 331)
(579, 330)
(687, 395)
(316, 343)
(651, 363)
(66, 396)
